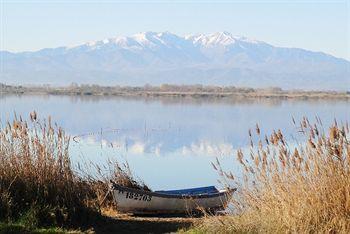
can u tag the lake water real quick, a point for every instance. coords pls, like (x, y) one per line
(169, 143)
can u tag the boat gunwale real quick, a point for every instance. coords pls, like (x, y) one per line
(163, 195)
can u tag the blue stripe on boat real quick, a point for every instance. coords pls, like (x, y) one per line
(191, 191)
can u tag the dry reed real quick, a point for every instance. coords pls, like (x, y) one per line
(38, 184)
(122, 175)
(36, 177)
(288, 189)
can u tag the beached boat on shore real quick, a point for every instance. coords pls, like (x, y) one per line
(172, 201)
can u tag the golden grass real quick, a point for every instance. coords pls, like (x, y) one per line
(38, 184)
(122, 175)
(288, 189)
(36, 178)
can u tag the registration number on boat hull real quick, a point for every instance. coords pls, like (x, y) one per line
(137, 196)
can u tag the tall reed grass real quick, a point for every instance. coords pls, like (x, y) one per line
(37, 182)
(290, 188)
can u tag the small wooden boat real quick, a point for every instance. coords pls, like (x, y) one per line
(171, 202)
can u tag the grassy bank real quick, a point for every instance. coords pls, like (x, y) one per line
(9, 228)
(290, 189)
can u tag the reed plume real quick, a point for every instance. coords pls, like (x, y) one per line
(289, 187)
(36, 175)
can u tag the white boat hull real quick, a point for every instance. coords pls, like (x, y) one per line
(144, 202)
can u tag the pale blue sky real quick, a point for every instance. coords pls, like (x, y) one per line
(314, 25)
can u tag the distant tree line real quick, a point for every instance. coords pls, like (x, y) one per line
(197, 90)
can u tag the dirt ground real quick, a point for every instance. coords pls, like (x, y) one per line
(127, 223)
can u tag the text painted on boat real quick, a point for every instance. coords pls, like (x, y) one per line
(138, 196)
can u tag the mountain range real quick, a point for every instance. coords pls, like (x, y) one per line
(158, 58)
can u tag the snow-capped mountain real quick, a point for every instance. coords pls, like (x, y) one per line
(156, 58)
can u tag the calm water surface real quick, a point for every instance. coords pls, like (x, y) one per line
(169, 143)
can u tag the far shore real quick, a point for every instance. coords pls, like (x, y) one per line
(176, 91)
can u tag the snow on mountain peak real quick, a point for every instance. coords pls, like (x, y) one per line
(148, 38)
(221, 38)
(142, 37)
(218, 39)
(166, 39)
